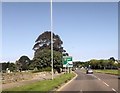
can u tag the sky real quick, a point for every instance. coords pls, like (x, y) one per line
(88, 30)
(22, 24)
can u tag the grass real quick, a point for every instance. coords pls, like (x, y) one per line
(45, 85)
(113, 72)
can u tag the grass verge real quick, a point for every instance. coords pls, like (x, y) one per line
(113, 72)
(43, 86)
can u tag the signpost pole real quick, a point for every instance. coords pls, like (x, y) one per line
(68, 69)
(65, 69)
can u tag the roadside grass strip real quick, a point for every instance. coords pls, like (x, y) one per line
(44, 85)
(113, 72)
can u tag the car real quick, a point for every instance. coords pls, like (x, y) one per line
(89, 71)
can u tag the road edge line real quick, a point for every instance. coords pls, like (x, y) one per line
(67, 82)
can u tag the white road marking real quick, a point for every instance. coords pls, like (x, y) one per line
(81, 91)
(67, 82)
(102, 81)
(105, 83)
(114, 90)
(94, 76)
(98, 78)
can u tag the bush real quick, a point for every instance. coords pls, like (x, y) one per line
(48, 69)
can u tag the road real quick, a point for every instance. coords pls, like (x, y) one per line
(92, 83)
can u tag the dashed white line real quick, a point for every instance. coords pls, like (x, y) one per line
(98, 78)
(105, 83)
(81, 91)
(94, 76)
(114, 90)
(101, 80)
(108, 86)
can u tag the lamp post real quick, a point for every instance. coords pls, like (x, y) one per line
(51, 38)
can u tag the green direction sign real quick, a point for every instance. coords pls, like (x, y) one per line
(67, 61)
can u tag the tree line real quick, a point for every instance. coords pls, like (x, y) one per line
(24, 63)
(110, 63)
(42, 55)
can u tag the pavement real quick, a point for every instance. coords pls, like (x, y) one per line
(92, 83)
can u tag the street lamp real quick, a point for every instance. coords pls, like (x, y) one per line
(51, 38)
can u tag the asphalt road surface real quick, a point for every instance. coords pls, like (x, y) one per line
(92, 83)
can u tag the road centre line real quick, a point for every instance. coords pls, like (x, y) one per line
(95, 76)
(109, 85)
(114, 90)
(98, 78)
(102, 81)
(81, 91)
(105, 83)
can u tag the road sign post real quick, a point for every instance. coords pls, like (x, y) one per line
(67, 63)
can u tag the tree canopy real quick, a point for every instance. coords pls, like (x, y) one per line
(42, 48)
(44, 41)
(23, 63)
(102, 64)
(10, 66)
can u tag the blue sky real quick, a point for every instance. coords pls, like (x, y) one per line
(88, 30)
(22, 24)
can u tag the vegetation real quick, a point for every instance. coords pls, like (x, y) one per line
(103, 64)
(44, 42)
(42, 55)
(42, 48)
(41, 85)
(110, 63)
(23, 63)
(42, 62)
(114, 72)
(10, 66)
(48, 69)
